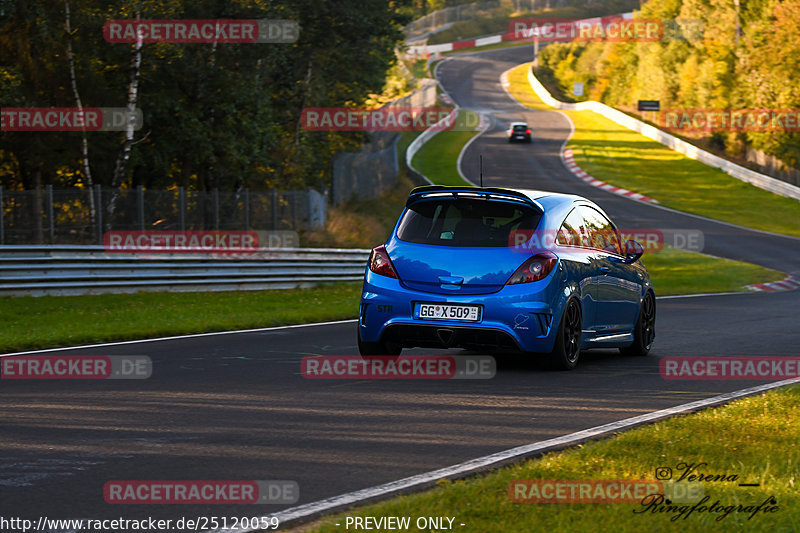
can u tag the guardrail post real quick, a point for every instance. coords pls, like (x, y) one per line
(99, 213)
(216, 208)
(140, 198)
(182, 207)
(246, 208)
(2, 228)
(51, 224)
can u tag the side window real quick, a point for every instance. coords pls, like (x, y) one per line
(573, 231)
(602, 233)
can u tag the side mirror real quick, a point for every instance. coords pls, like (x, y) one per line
(633, 251)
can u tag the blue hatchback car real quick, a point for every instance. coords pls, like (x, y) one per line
(495, 269)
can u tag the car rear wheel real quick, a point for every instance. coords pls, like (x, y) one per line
(644, 333)
(567, 348)
(379, 349)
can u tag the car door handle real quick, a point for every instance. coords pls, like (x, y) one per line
(605, 270)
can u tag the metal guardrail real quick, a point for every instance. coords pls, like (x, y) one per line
(75, 270)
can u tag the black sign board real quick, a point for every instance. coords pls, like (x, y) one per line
(649, 105)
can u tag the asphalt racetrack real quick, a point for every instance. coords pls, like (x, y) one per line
(235, 406)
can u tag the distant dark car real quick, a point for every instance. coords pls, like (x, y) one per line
(519, 131)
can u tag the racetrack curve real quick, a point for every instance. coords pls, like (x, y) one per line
(236, 407)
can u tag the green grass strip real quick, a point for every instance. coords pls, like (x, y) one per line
(49, 321)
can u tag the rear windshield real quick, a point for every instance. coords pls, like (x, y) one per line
(520, 128)
(465, 222)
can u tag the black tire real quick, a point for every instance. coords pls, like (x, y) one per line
(644, 333)
(567, 349)
(377, 349)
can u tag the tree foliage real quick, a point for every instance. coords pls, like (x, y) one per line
(215, 115)
(714, 68)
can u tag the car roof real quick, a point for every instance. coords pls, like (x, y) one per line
(518, 124)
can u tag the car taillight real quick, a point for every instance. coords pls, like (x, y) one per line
(527, 131)
(534, 269)
(380, 263)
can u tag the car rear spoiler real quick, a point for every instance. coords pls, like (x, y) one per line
(487, 193)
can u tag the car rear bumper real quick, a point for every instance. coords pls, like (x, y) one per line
(517, 317)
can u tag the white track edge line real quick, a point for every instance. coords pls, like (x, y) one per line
(423, 480)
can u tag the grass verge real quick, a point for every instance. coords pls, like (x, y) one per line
(675, 271)
(627, 159)
(50, 321)
(437, 159)
(764, 450)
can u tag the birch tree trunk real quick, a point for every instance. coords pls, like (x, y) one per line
(87, 171)
(133, 96)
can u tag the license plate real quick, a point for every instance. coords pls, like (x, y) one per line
(447, 312)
